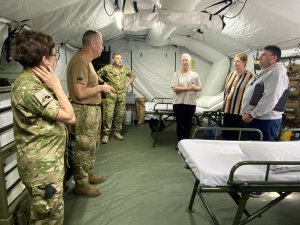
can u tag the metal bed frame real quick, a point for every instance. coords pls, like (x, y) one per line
(216, 129)
(211, 116)
(161, 114)
(240, 191)
(214, 116)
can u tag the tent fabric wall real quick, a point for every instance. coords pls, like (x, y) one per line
(259, 23)
(3, 32)
(154, 66)
(216, 77)
(214, 82)
(61, 66)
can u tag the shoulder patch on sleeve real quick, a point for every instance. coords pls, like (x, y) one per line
(43, 97)
(79, 78)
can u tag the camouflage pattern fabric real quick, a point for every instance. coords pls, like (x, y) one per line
(115, 103)
(41, 143)
(87, 136)
(114, 78)
(114, 111)
(48, 211)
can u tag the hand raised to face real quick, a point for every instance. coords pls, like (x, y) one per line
(47, 75)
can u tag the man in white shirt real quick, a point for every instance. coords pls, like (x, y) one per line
(273, 78)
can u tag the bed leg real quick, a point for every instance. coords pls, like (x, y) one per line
(189, 209)
(236, 198)
(258, 213)
(241, 208)
(154, 135)
(187, 166)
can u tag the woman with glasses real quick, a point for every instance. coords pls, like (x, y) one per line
(40, 109)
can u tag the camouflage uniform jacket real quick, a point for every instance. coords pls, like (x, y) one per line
(118, 81)
(40, 139)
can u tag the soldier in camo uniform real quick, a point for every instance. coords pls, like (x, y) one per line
(40, 107)
(115, 75)
(84, 91)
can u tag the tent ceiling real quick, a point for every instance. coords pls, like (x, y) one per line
(260, 22)
(20, 10)
(265, 22)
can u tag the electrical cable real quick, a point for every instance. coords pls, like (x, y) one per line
(106, 10)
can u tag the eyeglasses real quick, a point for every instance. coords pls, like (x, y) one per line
(56, 55)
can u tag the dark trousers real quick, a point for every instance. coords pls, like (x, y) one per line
(269, 128)
(184, 120)
(231, 120)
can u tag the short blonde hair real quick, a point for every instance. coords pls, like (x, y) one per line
(187, 56)
(242, 56)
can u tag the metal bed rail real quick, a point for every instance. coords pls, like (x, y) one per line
(283, 188)
(161, 100)
(211, 116)
(240, 130)
(163, 107)
(164, 110)
(268, 164)
(240, 190)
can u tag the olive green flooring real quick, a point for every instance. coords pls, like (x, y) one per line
(150, 186)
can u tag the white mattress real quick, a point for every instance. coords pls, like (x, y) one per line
(211, 162)
(215, 107)
(152, 107)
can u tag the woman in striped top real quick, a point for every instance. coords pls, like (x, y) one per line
(234, 88)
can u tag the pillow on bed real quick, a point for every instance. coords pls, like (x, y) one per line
(274, 151)
(209, 101)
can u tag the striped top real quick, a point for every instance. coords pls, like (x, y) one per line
(233, 91)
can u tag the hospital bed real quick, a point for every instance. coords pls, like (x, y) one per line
(162, 110)
(240, 169)
(164, 105)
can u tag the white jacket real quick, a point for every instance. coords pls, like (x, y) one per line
(275, 82)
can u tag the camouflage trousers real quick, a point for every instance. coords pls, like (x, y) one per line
(87, 136)
(46, 211)
(114, 113)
